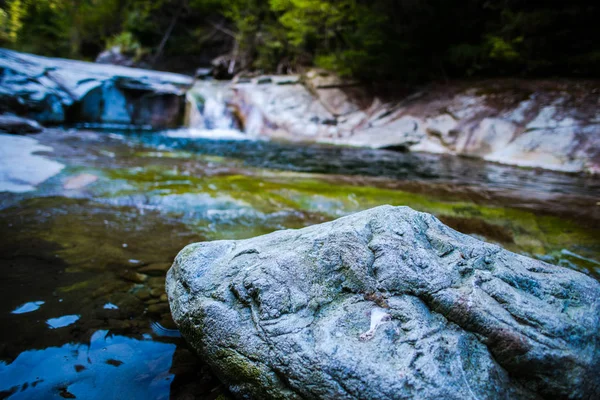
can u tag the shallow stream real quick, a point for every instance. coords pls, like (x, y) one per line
(91, 223)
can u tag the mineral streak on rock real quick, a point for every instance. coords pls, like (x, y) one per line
(378, 317)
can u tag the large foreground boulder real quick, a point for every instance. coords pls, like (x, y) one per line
(386, 304)
(57, 91)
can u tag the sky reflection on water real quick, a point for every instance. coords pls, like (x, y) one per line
(61, 322)
(110, 367)
(28, 307)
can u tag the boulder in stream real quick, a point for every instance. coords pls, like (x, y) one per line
(388, 303)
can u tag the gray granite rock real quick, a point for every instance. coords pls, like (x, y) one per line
(115, 56)
(386, 304)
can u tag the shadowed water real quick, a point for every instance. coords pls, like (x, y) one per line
(85, 252)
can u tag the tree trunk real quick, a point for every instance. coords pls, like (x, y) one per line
(165, 38)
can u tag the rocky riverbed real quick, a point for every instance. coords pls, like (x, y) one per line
(541, 124)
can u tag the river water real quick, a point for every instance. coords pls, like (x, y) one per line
(91, 220)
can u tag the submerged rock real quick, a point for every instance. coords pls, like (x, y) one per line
(390, 304)
(53, 90)
(79, 181)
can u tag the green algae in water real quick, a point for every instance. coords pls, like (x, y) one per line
(307, 200)
(531, 233)
(100, 237)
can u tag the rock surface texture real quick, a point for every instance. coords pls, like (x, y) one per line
(386, 304)
(551, 125)
(54, 91)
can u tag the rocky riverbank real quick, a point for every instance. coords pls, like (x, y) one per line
(58, 91)
(550, 125)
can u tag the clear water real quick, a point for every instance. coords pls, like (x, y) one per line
(84, 253)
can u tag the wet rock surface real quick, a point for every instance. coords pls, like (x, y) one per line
(386, 303)
(56, 91)
(21, 168)
(116, 56)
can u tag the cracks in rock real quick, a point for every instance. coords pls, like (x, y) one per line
(464, 377)
(503, 344)
(248, 251)
(285, 381)
(429, 301)
(186, 286)
(295, 332)
(236, 351)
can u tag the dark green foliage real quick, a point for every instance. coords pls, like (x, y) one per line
(371, 39)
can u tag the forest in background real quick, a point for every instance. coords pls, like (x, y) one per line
(408, 40)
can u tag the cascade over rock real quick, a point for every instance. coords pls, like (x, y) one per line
(388, 303)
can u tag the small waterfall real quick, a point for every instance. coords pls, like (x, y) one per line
(207, 114)
(207, 107)
(193, 115)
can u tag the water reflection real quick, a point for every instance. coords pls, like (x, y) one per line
(109, 367)
(28, 307)
(97, 273)
(20, 168)
(61, 322)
